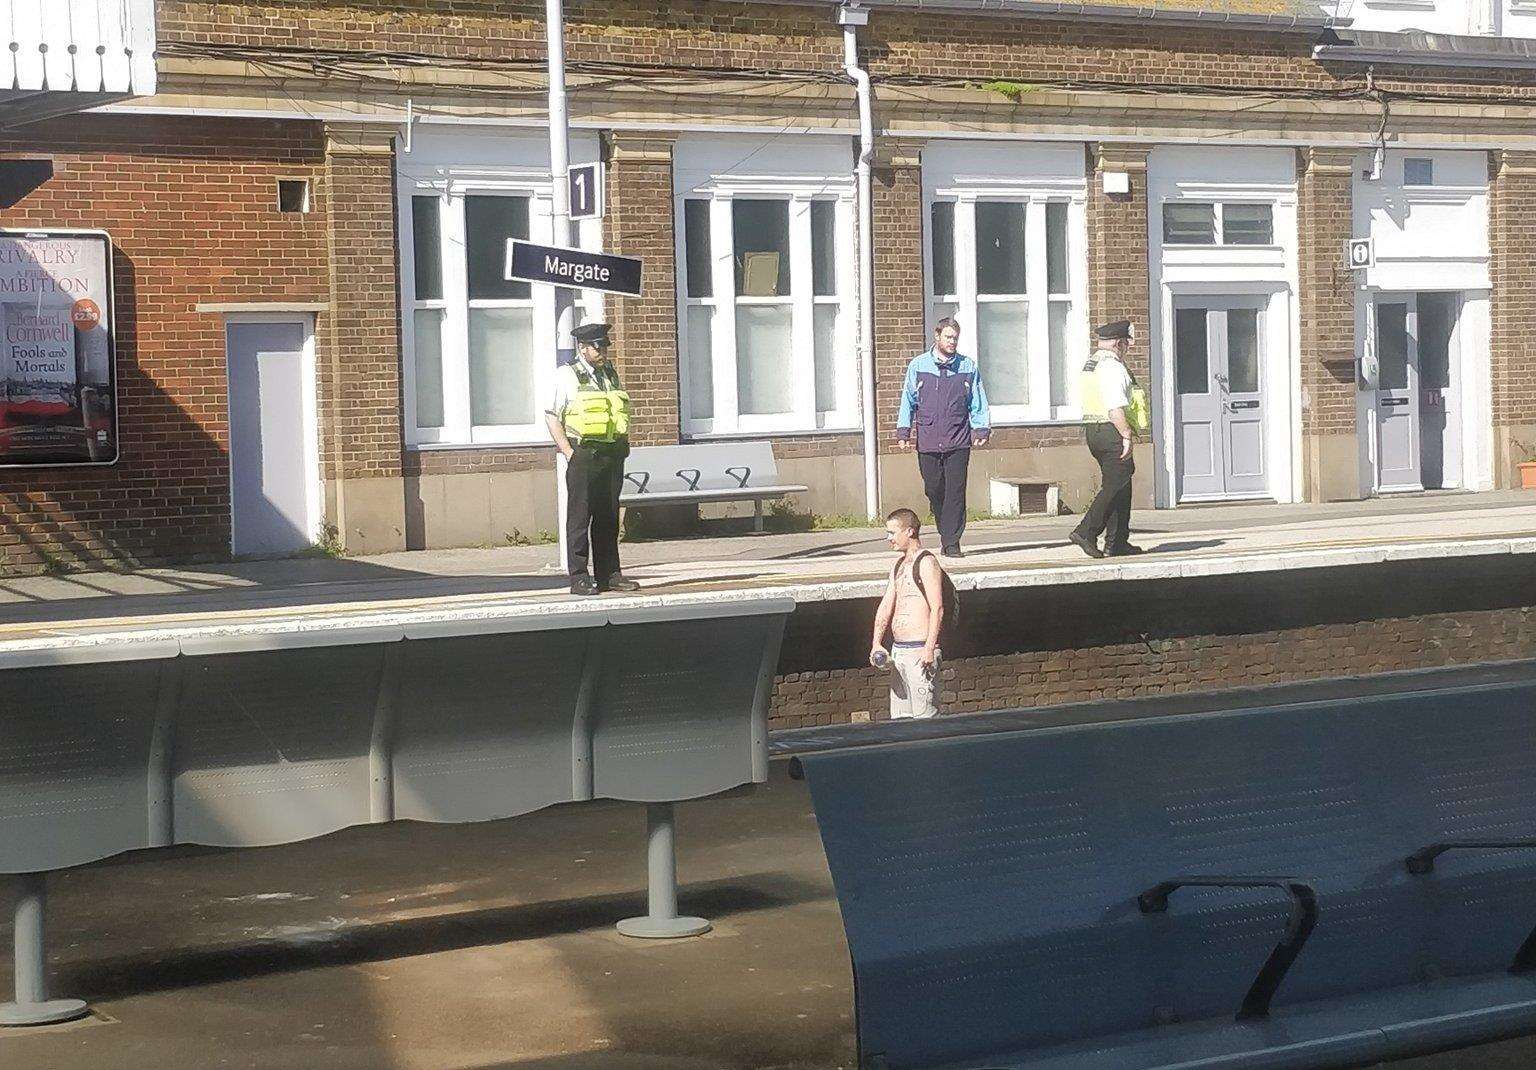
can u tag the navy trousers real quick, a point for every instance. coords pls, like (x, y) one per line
(944, 476)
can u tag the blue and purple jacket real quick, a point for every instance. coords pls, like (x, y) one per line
(946, 401)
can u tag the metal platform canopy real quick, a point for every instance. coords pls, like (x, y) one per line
(250, 736)
(64, 56)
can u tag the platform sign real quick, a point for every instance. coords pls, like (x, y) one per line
(1360, 253)
(58, 380)
(575, 268)
(585, 183)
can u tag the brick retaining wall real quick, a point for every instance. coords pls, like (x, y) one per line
(1044, 646)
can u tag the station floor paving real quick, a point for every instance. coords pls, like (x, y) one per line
(473, 947)
(826, 564)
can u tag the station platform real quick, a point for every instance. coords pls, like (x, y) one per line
(811, 567)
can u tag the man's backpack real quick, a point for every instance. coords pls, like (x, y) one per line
(950, 599)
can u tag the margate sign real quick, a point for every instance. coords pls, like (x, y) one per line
(58, 376)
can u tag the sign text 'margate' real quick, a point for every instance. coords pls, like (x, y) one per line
(575, 268)
(577, 273)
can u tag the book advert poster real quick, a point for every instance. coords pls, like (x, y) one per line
(57, 380)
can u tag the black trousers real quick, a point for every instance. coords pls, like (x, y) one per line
(1110, 512)
(593, 479)
(944, 476)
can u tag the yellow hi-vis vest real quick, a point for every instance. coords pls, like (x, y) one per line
(1138, 413)
(1089, 398)
(596, 414)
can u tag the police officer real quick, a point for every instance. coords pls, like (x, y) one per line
(589, 421)
(1106, 395)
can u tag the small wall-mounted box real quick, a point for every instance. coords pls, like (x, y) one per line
(1117, 182)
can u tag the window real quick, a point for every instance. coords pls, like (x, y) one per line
(1002, 301)
(766, 342)
(1200, 222)
(427, 317)
(1010, 270)
(479, 347)
(1187, 223)
(1247, 224)
(293, 195)
(1418, 171)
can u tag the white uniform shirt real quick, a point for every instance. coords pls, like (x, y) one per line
(1114, 381)
(566, 385)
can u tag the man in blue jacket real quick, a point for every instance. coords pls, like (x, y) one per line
(944, 398)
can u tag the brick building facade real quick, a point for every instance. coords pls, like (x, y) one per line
(414, 130)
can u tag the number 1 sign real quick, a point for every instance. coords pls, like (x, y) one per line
(585, 182)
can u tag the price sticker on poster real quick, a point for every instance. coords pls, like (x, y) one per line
(58, 376)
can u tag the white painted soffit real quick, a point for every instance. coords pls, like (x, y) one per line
(81, 46)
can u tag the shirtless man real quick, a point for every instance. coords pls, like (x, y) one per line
(913, 615)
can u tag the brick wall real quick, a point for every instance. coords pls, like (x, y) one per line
(1327, 291)
(1327, 298)
(360, 400)
(1199, 663)
(1034, 646)
(1118, 283)
(1512, 222)
(900, 317)
(740, 36)
(639, 223)
(682, 34)
(191, 206)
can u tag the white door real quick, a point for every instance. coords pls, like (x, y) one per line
(1397, 395)
(1219, 417)
(272, 461)
(1439, 390)
(1415, 398)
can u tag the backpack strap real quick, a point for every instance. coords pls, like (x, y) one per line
(917, 570)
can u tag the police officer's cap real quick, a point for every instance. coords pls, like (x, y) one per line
(591, 333)
(1117, 329)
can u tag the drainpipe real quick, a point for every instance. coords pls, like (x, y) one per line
(851, 17)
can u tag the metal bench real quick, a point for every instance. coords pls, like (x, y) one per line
(704, 472)
(1320, 885)
(252, 734)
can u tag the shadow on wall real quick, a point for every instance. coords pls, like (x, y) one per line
(165, 500)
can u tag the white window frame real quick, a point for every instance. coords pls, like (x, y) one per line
(1219, 208)
(966, 300)
(451, 186)
(727, 419)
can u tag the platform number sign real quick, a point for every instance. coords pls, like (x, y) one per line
(585, 182)
(1360, 253)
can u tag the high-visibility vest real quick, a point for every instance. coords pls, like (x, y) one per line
(596, 413)
(1138, 413)
(1089, 398)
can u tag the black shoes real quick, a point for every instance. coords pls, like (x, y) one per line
(1085, 544)
(951, 551)
(1125, 550)
(586, 585)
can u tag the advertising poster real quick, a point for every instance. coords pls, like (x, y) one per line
(58, 400)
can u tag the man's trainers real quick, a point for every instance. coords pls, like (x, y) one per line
(583, 585)
(1085, 544)
(1125, 550)
(952, 551)
(618, 582)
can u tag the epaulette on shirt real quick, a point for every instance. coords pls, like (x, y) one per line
(1093, 362)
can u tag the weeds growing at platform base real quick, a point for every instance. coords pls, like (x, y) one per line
(326, 544)
(516, 537)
